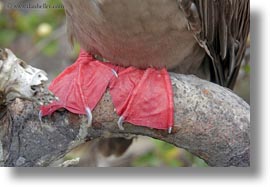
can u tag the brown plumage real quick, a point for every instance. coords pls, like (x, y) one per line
(164, 33)
(221, 27)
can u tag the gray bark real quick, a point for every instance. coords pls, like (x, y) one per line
(210, 122)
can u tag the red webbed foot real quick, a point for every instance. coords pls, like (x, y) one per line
(80, 86)
(141, 97)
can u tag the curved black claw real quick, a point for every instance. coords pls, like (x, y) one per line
(89, 116)
(120, 123)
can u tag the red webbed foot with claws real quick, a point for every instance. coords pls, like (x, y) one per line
(141, 97)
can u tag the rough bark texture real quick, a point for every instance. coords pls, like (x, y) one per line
(210, 122)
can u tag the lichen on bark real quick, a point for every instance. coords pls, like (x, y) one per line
(20, 80)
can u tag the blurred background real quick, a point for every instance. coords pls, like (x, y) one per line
(35, 31)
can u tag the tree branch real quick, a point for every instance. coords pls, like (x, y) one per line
(210, 122)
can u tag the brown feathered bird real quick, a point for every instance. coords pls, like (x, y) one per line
(179, 34)
(202, 37)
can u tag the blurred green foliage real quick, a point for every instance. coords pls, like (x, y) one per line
(247, 68)
(167, 155)
(16, 23)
